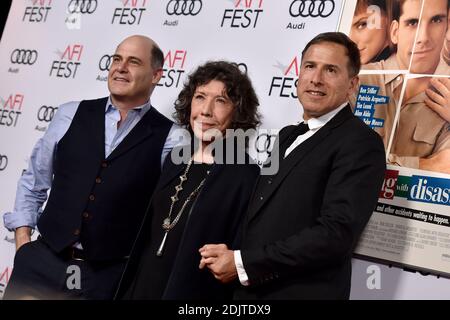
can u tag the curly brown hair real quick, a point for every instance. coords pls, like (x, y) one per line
(238, 88)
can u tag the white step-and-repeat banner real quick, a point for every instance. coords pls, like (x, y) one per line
(54, 51)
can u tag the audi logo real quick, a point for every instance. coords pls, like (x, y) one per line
(10, 240)
(243, 67)
(311, 8)
(3, 162)
(184, 7)
(105, 62)
(82, 6)
(46, 113)
(24, 56)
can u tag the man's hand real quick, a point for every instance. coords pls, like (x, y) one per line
(219, 260)
(439, 162)
(439, 101)
(22, 236)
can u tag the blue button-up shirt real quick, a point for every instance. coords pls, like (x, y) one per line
(37, 179)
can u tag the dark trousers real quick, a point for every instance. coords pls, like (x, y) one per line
(40, 273)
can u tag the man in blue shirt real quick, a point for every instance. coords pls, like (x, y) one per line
(101, 159)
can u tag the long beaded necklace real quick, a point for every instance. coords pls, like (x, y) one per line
(168, 224)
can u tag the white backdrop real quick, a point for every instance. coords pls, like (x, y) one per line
(265, 35)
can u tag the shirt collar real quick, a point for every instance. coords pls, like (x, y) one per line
(316, 123)
(418, 98)
(392, 64)
(142, 109)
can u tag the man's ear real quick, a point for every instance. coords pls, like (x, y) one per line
(394, 32)
(354, 82)
(157, 74)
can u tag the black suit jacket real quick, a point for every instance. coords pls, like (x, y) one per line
(304, 222)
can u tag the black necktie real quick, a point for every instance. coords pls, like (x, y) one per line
(300, 129)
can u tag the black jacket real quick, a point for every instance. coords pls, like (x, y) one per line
(215, 217)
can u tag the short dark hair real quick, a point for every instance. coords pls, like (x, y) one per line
(362, 5)
(397, 8)
(157, 60)
(354, 58)
(238, 88)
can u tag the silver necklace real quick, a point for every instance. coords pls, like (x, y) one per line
(168, 224)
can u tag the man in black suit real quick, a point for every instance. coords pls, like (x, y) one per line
(305, 221)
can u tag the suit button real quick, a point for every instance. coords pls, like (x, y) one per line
(85, 215)
(269, 181)
(104, 164)
(98, 180)
(261, 198)
(76, 232)
(92, 197)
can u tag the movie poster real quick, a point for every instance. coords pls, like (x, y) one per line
(404, 95)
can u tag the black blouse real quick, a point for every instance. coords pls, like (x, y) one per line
(154, 271)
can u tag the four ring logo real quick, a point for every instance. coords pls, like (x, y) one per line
(3, 162)
(46, 113)
(243, 67)
(24, 56)
(184, 7)
(82, 6)
(105, 62)
(311, 8)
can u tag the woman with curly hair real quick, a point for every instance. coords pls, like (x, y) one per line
(201, 201)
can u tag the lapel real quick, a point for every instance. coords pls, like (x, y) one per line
(170, 172)
(139, 133)
(295, 157)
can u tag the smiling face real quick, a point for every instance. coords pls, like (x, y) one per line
(403, 31)
(370, 32)
(430, 37)
(430, 34)
(131, 76)
(211, 111)
(324, 80)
